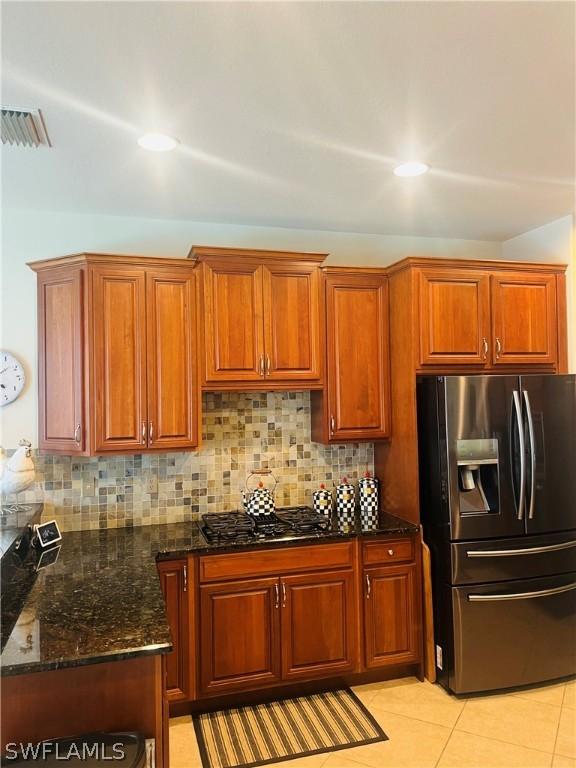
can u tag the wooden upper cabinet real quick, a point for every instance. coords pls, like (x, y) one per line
(233, 331)
(61, 422)
(524, 319)
(292, 335)
(119, 354)
(318, 625)
(172, 375)
(356, 405)
(454, 317)
(261, 318)
(118, 345)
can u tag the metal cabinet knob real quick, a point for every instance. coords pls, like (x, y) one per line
(390, 552)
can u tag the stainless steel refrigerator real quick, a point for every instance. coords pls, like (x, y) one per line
(498, 507)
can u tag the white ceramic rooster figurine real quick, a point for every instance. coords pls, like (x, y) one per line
(17, 473)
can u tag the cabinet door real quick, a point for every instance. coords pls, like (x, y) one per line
(454, 317)
(291, 295)
(233, 325)
(61, 362)
(172, 379)
(318, 625)
(391, 616)
(119, 385)
(524, 319)
(174, 581)
(239, 635)
(358, 358)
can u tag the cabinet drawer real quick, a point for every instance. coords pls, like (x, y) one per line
(275, 561)
(389, 551)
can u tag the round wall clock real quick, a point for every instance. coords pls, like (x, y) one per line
(12, 378)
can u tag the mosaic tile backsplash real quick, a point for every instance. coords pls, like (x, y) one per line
(241, 432)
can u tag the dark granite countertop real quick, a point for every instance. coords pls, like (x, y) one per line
(14, 519)
(101, 599)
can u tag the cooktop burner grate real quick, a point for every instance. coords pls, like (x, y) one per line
(240, 527)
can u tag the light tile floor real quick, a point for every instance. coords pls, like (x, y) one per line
(427, 727)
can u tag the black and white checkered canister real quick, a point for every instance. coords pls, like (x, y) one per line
(322, 501)
(345, 505)
(368, 500)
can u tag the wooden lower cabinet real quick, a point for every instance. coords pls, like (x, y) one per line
(391, 615)
(318, 625)
(259, 632)
(277, 616)
(239, 635)
(174, 582)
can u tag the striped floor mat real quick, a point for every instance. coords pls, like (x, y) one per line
(284, 730)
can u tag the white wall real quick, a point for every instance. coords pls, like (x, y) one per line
(554, 242)
(32, 235)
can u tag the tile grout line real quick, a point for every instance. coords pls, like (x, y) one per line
(559, 721)
(510, 743)
(450, 734)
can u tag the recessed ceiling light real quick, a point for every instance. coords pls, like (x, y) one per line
(157, 142)
(412, 168)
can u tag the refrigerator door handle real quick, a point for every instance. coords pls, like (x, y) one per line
(527, 551)
(518, 411)
(522, 595)
(532, 454)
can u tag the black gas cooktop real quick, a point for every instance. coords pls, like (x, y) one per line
(238, 527)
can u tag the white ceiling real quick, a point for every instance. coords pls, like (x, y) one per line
(293, 114)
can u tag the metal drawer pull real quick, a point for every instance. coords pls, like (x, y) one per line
(283, 595)
(267, 365)
(484, 348)
(277, 590)
(143, 433)
(185, 578)
(528, 551)
(368, 586)
(522, 595)
(150, 432)
(332, 424)
(78, 433)
(261, 366)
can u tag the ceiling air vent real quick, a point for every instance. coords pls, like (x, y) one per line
(23, 128)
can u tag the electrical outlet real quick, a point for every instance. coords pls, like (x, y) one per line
(89, 487)
(151, 484)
